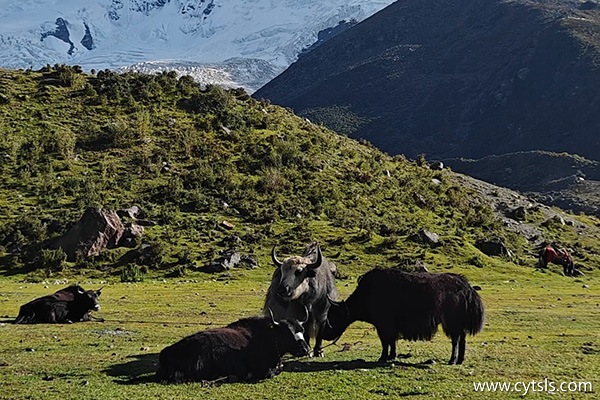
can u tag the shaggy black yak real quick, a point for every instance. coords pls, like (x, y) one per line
(410, 306)
(247, 350)
(71, 304)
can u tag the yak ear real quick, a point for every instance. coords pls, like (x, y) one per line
(311, 273)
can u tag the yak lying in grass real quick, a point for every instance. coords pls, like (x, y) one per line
(71, 304)
(247, 350)
(410, 306)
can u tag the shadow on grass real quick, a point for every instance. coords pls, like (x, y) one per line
(315, 366)
(139, 369)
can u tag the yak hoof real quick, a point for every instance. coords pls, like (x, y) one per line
(317, 353)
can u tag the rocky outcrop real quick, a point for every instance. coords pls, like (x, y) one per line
(96, 230)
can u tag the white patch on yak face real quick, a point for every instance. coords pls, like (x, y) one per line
(293, 283)
(298, 336)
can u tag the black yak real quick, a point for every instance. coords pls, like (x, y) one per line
(301, 282)
(247, 350)
(410, 306)
(71, 304)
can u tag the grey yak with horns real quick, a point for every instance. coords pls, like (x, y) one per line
(303, 281)
(71, 304)
(410, 306)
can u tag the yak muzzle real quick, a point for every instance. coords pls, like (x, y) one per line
(284, 292)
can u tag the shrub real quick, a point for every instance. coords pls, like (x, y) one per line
(52, 260)
(131, 273)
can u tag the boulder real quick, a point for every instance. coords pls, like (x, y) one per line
(96, 230)
(494, 247)
(131, 212)
(230, 259)
(518, 214)
(426, 237)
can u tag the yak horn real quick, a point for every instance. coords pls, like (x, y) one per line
(307, 316)
(318, 261)
(99, 291)
(272, 317)
(277, 263)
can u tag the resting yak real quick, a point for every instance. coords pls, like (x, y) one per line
(71, 304)
(410, 306)
(247, 350)
(299, 283)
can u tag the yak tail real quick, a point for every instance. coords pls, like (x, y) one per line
(475, 315)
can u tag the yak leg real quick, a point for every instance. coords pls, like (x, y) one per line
(568, 268)
(461, 348)
(542, 263)
(318, 351)
(455, 340)
(387, 341)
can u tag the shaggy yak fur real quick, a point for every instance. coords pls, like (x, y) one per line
(71, 304)
(410, 306)
(299, 283)
(247, 350)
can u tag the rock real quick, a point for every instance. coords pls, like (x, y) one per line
(131, 212)
(248, 261)
(419, 200)
(494, 247)
(426, 237)
(227, 225)
(131, 233)
(518, 214)
(557, 219)
(97, 229)
(230, 259)
(437, 166)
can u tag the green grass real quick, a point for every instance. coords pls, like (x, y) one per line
(71, 141)
(538, 325)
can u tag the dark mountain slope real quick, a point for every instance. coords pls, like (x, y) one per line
(560, 179)
(447, 79)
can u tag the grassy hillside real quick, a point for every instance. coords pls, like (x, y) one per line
(192, 158)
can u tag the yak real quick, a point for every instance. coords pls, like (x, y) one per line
(249, 349)
(300, 282)
(71, 304)
(410, 306)
(560, 256)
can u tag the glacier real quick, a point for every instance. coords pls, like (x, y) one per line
(229, 42)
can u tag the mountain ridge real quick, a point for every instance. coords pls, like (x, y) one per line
(457, 80)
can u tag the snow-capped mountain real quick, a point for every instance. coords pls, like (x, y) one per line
(233, 42)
